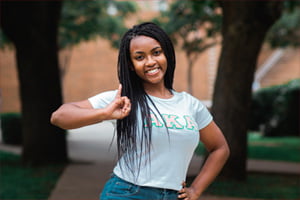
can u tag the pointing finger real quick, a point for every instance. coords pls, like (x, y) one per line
(119, 91)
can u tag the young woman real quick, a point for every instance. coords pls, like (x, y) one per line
(158, 128)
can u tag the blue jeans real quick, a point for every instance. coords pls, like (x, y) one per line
(117, 188)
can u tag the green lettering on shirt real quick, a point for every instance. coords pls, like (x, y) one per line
(155, 121)
(171, 121)
(190, 124)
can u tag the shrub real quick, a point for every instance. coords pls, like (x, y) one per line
(11, 128)
(276, 109)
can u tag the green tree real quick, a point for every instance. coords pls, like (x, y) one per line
(193, 26)
(244, 27)
(86, 20)
(286, 31)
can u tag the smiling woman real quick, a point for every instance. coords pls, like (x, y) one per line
(158, 128)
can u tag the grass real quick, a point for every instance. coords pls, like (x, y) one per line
(259, 186)
(20, 182)
(274, 148)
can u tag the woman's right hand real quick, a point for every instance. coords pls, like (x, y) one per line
(120, 107)
(79, 114)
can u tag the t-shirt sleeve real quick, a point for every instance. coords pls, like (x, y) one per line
(103, 99)
(202, 115)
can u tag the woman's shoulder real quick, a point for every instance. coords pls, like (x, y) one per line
(102, 99)
(107, 93)
(188, 98)
(184, 94)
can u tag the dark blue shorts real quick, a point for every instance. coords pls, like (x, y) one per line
(117, 188)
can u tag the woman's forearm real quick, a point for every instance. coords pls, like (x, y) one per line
(79, 114)
(210, 170)
(70, 116)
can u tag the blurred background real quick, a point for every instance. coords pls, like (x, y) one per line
(241, 58)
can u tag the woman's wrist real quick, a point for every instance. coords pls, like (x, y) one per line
(103, 114)
(196, 191)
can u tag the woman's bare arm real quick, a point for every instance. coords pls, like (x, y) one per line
(78, 114)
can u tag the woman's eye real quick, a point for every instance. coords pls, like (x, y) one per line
(156, 53)
(139, 57)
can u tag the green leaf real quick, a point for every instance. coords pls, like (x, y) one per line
(85, 20)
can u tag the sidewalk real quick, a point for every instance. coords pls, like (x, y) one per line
(93, 158)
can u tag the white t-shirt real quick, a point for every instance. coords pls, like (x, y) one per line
(170, 153)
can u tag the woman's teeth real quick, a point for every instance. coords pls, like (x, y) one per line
(152, 71)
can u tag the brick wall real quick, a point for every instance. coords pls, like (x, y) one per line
(286, 69)
(9, 94)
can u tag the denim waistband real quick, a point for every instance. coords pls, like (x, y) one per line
(163, 190)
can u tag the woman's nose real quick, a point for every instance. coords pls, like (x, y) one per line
(150, 61)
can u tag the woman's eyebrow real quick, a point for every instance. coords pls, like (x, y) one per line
(140, 52)
(159, 47)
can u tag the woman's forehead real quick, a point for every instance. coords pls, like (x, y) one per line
(143, 43)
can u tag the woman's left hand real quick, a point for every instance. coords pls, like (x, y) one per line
(187, 193)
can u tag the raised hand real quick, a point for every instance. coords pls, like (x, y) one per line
(120, 107)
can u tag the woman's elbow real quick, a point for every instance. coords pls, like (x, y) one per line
(226, 151)
(54, 118)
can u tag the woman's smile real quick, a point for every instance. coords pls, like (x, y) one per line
(153, 71)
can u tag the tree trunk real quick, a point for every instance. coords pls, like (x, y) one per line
(245, 24)
(32, 27)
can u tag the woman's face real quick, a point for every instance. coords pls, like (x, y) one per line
(148, 59)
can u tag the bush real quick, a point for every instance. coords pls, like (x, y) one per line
(11, 128)
(275, 110)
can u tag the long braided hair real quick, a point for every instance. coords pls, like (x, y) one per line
(128, 138)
